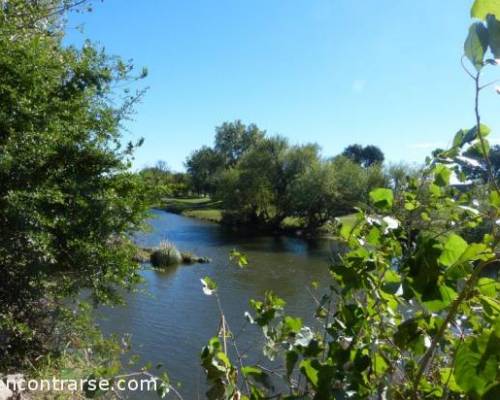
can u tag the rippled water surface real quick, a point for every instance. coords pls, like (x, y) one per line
(171, 320)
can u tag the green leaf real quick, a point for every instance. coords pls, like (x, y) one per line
(209, 286)
(476, 44)
(482, 8)
(249, 370)
(257, 375)
(495, 199)
(391, 281)
(459, 137)
(382, 198)
(476, 251)
(441, 175)
(469, 374)
(453, 249)
(490, 306)
(293, 324)
(408, 334)
(487, 287)
(448, 379)
(472, 134)
(309, 371)
(494, 35)
(240, 258)
(446, 296)
(379, 365)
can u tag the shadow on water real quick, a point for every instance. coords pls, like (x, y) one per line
(174, 320)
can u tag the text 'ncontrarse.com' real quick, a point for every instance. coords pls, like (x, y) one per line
(80, 385)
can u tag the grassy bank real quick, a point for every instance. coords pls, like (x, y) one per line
(204, 208)
(200, 208)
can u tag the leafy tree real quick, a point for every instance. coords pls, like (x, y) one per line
(314, 194)
(68, 202)
(164, 181)
(257, 181)
(354, 152)
(400, 175)
(372, 155)
(233, 139)
(202, 167)
(365, 156)
(261, 185)
(474, 166)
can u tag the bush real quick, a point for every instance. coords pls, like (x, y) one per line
(165, 256)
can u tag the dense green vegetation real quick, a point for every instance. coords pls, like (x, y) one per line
(68, 201)
(165, 182)
(265, 182)
(412, 310)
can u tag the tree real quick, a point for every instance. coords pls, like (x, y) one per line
(372, 155)
(260, 188)
(202, 167)
(353, 184)
(365, 156)
(164, 181)
(259, 183)
(314, 195)
(474, 165)
(354, 152)
(68, 201)
(233, 139)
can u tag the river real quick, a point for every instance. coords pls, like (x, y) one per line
(170, 320)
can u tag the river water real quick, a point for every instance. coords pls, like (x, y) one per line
(170, 320)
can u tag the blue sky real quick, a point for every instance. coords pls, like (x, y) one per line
(335, 72)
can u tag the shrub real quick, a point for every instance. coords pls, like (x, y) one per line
(166, 255)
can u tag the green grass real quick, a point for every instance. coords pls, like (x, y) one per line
(195, 207)
(212, 215)
(206, 209)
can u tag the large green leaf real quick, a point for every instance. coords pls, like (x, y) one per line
(471, 134)
(477, 361)
(494, 35)
(481, 8)
(311, 372)
(453, 249)
(442, 175)
(382, 198)
(476, 44)
(441, 299)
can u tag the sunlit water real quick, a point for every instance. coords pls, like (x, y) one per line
(172, 319)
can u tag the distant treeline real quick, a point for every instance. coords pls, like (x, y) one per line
(261, 179)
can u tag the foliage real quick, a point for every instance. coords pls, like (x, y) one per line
(474, 167)
(68, 202)
(365, 156)
(261, 180)
(165, 182)
(202, 167)
(260, 188)
(233, 139)
(165, 255)
(412, 311)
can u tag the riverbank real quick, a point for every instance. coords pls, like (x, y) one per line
(206, 209)
(202, 208)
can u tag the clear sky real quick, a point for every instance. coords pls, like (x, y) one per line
(335, 72)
